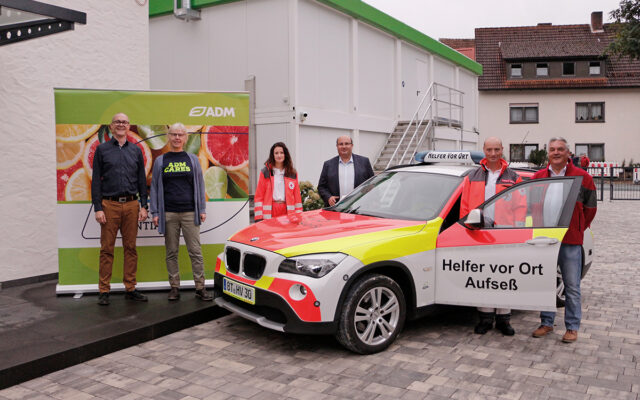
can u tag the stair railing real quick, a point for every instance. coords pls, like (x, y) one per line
(430, 114)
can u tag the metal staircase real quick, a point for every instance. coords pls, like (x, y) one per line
(439, 106)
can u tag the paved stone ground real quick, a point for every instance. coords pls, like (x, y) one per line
(435, 358)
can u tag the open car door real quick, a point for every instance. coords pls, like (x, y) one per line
(504, 254)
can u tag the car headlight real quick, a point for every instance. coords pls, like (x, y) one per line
(313, 265)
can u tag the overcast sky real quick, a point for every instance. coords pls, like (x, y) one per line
(459, 18)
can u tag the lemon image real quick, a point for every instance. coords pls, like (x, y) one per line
(70, 133)
(79, 187)
(215, 183)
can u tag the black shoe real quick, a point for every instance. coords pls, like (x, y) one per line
(485, 324)
(103, 299)
(203, 295)
(503, 325)
(135, 295)
(174, 294)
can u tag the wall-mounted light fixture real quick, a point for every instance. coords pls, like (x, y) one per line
(182, 10)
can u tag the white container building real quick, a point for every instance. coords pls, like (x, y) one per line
(318, 70)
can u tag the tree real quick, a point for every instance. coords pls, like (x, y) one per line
(627, 25)
(538, 157)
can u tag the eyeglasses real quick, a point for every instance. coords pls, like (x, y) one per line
(118, 122)
(177, 134)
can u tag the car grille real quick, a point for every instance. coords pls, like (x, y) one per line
(233, 259)
(252, 264)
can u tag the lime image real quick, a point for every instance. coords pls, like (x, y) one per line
(155, 135)
(215, 183)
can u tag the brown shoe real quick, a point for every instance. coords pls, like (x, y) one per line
(570, 336)
(174, 294)
(542, 331)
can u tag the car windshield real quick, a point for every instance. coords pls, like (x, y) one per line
(400, 195)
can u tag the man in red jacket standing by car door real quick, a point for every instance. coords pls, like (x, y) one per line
(492, 177)
(570, 256)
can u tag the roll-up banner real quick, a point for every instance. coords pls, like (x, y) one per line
(218, 126)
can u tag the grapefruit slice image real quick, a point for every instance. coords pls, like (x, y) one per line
(74, 133)
(79, 187)
(227, 146)
(92, 145)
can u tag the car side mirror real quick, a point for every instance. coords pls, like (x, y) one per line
(474, 219)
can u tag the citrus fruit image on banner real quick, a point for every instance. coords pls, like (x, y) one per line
(63, 176)
(92, 145)
(68, 153)
(215, 183)
(241, 178)
(155, 135)
(74, 133)
(204, 161)
(78, 187)
(227, 146)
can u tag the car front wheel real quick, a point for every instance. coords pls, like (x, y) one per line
(372, 316)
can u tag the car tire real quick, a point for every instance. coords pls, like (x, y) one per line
(559, 289)
(363, 327)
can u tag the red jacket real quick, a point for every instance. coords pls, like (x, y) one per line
(586, 204)
(584, 161)
(473, 193)
(264, 194)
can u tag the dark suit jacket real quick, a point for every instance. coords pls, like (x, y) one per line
(330, 186)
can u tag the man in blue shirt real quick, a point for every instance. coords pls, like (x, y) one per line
(118, 177)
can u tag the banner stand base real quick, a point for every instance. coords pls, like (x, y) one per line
(119, 287)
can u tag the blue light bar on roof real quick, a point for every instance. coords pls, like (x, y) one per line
(458, 157)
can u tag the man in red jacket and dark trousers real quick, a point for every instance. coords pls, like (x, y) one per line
(570, 256)
(492, 177)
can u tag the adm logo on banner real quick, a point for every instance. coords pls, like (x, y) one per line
(199, 111)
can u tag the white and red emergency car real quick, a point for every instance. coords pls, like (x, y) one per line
(395, 247)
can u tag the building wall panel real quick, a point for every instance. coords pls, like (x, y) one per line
(324, 57)
(375, 72)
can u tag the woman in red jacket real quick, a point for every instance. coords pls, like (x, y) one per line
(278, 192)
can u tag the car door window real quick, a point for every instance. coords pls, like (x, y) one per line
(535, 204)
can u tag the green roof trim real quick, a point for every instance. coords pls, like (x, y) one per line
(363, 12)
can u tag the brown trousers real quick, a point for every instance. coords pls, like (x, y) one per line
(123, 217)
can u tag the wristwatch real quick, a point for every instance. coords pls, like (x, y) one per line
(146, 207)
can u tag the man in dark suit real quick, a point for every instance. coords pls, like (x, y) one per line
(341, 174)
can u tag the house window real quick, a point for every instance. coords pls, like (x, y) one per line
(523, 113)
(594, 68)
(516, 70)
(542, 69)
(590, 112)
(568, 68)
(595, 151)
(521, 152)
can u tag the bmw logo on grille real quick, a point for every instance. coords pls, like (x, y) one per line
(253, 239)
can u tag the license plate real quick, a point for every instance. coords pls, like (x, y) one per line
(239, 291)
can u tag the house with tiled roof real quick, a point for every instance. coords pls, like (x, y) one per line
(464, 46)
(555, 80)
